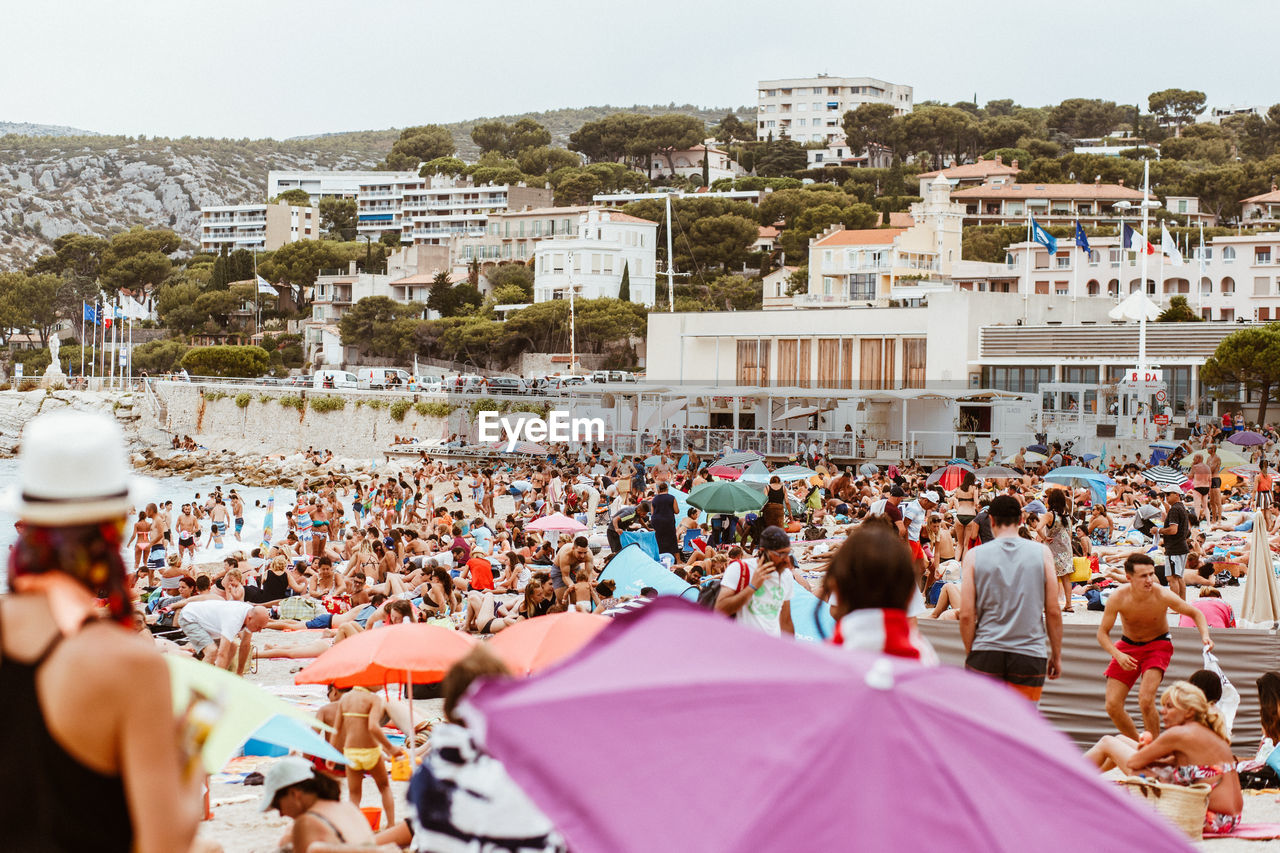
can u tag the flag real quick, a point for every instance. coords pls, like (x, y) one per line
(264, 286)
(1043, 237)
(1082, 241)
(1170, 246)
(131, 309)
(90, 313)
(1135, 241)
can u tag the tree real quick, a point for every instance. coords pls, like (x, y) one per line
(449, 166)
(544, 159)
(578, 188)
(868, 124)
(608, 139)
(1086, 118)
(418, 145)
(509, 294)
(779, 156)
(235, 266)
(510, 139)
(666, 134)
(440, 299)
(29, 303)
(160, 356)
(301, 261)
(338, 217)
(1178, 312)
(176, 307)
(624, 289)
(227, 361)
(1249, 357)
(732, 129)
(137, 259)
(297, 197)
(512, 275)
(362, 324)
(80, 254)
(1176, 107)
(723, 240)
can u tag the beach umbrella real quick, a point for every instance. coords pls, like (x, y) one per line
(996, 472)
(534, 644)
(718, 497)
(530, 448)
(633, 569)
(1246, 471)
(1038, 448)
(409, 652)
(244, 709)
(1163, 475)
(1029, 456)
(756, 472)
(297, 736)
(1247, 438)
(1261, 607)
(557, 522)
(791, 473)
(724, 472)
(652, 461)
(1078, 477)
(950, 477)
(1228, 456)
(739, 457)
(268, 523)
(637, 685)
(1088, 457)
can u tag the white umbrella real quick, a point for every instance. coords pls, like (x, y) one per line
(1261, 607)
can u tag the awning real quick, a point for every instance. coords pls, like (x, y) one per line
(797, 412)
(659, 417)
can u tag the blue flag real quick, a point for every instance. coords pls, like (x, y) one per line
(1043, 237)
(1082, 242)
(90, 313)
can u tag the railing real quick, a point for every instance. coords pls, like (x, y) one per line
(943, 444)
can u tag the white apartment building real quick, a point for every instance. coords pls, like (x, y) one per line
(435, 210)
(592, 260)
(1231, 279)
(688, 162)
(256, 227)
(810, 109)
(511, 235)
(326, 184)
(876, 265)
(622, 198)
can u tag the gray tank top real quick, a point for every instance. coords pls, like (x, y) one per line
(1008, 574)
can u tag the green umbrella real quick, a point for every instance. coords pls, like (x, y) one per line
(725, 496)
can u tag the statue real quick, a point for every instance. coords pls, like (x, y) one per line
(53, 375)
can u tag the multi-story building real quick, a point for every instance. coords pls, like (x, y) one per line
(326, 184)
(992, 173)
(810, 109)
(1051, 204)
(876, 265)
(1261, 210)
(511, 235)
(593, 258)
(256, 227)
(435, 210)
(1217, 115)
(688, 162)
(623, 198)
(838, 153)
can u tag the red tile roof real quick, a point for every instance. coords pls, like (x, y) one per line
(901, 219)
(981, 169)
(1272, 197)
(768, 231)
(1051, 191)
(862, 237)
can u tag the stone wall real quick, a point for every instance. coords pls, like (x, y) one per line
(364, 427)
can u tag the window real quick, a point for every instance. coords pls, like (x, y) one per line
(1262, 285)
(1228, 254)
(1063, 261)
(1093, 288)
(1061, 288)
(1228, 314)
(1264, 314)
(862, 286)
(1206, 285)
(1262, 255)
(1115, 256)
(1228, 283)
(1094, 257)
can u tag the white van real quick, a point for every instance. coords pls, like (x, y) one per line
(327, 380)
(378, 378)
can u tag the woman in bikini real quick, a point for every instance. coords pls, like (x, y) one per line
(966, 509)
(140, 541)
(1194, 747)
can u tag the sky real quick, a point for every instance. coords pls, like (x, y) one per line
(280, 68)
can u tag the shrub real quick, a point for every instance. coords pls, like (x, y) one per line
(264, 398)
(399, 409)
(243, 399)
(226, 361)
(433, 409)
(28, 385)
(210, 396)
(292, 401)
(484, 404)
(376, 404)
(328, 404)
(158, 356)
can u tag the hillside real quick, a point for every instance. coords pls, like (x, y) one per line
(52, 185)
(26, 128)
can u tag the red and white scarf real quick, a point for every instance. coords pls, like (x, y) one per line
(886, 631)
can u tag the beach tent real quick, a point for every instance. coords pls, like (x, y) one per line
(810, 615)
(1261, 606)
(756, 472)
(868, 721)
(632, 570)
(647, 540)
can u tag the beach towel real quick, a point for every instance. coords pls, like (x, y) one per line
(1249, 832)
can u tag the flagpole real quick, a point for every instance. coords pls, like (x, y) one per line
(1200, 284)
(1026, 284)
(84, 309)
(1142, 320)
(1075, 278)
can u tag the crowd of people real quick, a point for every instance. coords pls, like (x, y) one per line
(460, 545)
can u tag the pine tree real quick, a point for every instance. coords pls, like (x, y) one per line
(624, 289)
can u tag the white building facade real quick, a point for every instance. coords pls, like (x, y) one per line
(810, 109)
(592, 260)
(256, 227)
(326, 184)
(438, 209)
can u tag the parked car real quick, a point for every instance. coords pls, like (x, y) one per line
(302, 380)
(378, 378)
(621, 376)
(334, 379)
(428, 384)
(507, 385)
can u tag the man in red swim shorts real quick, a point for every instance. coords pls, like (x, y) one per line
(1144, 650)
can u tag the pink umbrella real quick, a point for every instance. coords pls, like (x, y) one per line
(724, 472)
(558, 522)
(907, 757)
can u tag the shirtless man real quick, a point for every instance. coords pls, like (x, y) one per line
(188, 533)
(237, 513)
(218, 519)
(1144, 649)
(156, 551)
(569, 560)
(363, 744)
(1215, 483)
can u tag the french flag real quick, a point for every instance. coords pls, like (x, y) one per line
(1135, 241)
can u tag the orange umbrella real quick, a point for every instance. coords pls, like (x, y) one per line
(408, 652)
(534, 644)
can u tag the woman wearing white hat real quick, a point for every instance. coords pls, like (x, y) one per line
(314, 801)
(87, 730)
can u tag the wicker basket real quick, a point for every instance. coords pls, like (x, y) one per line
(1182, 805)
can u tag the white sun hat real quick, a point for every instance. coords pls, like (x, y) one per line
(72, 469)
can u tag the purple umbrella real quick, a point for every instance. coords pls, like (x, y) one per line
(805, 748)
(1247, 438)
